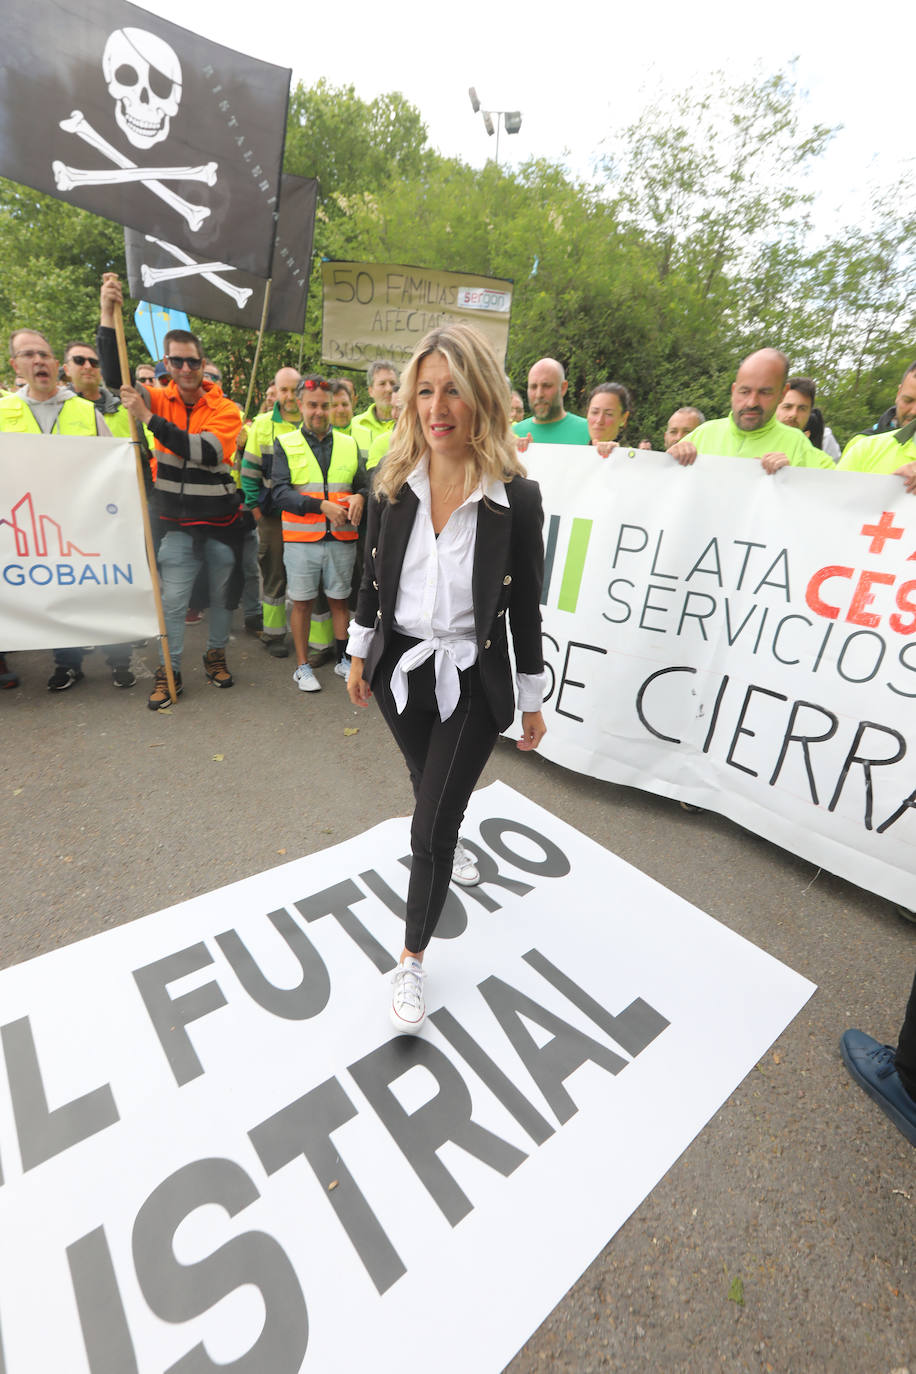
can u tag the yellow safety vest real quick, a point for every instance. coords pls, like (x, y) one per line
(76, 416)
(306, 476)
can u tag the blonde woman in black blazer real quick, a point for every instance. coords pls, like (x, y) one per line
(453, 550)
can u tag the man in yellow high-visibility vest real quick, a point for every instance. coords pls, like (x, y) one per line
(319, 486)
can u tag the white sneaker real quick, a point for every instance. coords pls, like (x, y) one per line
(464, 870)
(342, 669)
(408, 1005)
(305, 679)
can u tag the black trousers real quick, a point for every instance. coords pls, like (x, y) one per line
(445, 759)
(905, 1058)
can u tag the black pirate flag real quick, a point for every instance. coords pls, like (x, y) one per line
(160, 271)
(120, 112)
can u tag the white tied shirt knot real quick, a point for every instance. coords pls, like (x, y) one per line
(451, 656)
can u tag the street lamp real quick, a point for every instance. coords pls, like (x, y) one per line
(512, 119)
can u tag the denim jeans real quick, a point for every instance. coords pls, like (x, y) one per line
(116, 655)
(178, 567)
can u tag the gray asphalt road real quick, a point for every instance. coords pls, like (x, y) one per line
(798, 1186)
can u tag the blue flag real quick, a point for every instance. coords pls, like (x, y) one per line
(154, 322)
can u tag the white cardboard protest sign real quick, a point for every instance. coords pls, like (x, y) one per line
(743, 642)
(215, 1150)
(73, 567)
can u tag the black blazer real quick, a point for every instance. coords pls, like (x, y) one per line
(507, 577)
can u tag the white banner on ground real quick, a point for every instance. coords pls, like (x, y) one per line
(215, 1151)
(743, 642)
(73, 566)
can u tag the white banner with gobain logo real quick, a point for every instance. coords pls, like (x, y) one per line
(743, 642)
(73, 567)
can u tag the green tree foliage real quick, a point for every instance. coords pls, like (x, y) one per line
(692, 245)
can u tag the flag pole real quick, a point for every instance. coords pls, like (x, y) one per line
(257, 351)
(147, 530)
(301, 348)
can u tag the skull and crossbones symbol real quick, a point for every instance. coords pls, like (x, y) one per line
(143, 76)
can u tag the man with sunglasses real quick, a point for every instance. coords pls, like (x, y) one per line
(194, 428)
(83, 371)
(43, 406)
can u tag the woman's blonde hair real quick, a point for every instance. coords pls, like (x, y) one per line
(482, 385)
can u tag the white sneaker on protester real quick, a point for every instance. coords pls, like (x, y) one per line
(342, 669)
(305, 679)
(464, 870)
(408, 1005)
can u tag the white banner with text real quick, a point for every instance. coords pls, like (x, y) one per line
(73, 565)
(216, 1154)
(743, 642)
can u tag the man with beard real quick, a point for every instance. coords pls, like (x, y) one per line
(752, 430)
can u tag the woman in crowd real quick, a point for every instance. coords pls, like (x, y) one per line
(609, 407)
(453, 550)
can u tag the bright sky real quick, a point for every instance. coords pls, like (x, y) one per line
(576, 80)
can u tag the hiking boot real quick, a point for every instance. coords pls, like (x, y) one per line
(159, 699)
(62, 678)
(215, 668)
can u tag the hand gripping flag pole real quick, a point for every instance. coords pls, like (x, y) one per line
(144, 506)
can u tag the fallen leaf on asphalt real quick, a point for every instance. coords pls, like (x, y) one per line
(332, 1184)
(157, 746)
(777, 1057)
(17, 791)
(218, 758)
(68, 858)
(736, 1290)
(351, 730)
(281, 851)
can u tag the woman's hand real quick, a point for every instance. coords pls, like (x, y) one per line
(533, 730)
(357, 686)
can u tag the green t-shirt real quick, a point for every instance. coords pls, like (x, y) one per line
(876, 453)
(724, 439)
(572, 429)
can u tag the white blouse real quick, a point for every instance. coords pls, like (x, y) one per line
(434, 602)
